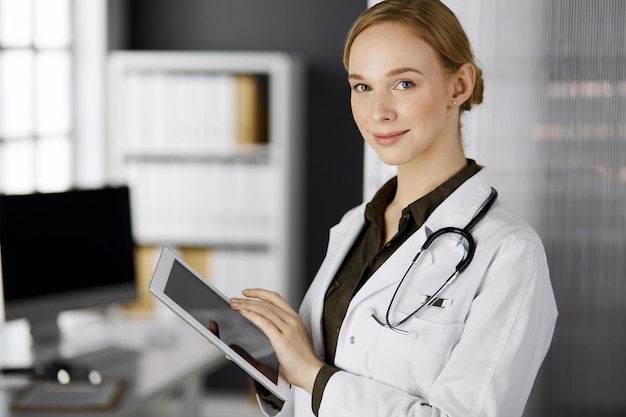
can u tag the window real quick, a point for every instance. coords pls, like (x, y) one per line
(36, 122)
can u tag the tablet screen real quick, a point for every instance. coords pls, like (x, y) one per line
(207, 307)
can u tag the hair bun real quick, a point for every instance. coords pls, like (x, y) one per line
(479, 87)
(477, 94)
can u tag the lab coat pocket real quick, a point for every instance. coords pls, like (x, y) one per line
(412, 362)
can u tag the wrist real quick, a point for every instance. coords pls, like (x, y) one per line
(311, 376)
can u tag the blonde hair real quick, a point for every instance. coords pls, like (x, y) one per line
(433, 22)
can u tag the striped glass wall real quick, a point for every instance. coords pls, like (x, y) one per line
(552, 131)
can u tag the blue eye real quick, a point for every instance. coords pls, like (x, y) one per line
(360, 87)
(405, 84)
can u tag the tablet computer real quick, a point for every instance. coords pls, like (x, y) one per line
(208, 311)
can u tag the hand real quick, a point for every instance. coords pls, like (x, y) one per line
(266, 370)
(285, 331)
(214, 328)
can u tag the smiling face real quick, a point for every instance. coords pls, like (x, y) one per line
(402, 99)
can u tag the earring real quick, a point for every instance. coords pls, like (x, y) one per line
(454, 102)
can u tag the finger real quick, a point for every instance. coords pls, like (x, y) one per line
(269, 296)
(214, 328)
(266, 310)
(267, 326)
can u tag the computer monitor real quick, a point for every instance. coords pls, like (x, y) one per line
(64, 251)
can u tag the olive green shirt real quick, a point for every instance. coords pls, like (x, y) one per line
(367, 255)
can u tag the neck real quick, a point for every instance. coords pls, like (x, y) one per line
(420, 177)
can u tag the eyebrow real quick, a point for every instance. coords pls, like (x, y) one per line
(391, 73)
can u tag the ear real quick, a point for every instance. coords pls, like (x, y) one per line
(462, 84)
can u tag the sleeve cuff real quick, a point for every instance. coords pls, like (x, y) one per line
(321, 380)
(266, 396)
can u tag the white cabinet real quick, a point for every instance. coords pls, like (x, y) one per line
(211, 146)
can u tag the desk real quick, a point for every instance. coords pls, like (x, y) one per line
(172, 357)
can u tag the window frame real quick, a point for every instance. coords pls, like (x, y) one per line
(86, 130)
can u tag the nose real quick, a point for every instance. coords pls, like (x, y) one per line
(383, 107)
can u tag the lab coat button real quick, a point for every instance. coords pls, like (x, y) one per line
(351, 340)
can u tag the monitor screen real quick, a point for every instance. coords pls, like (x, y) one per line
(62, 251)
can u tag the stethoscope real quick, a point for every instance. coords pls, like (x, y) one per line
(468, 254)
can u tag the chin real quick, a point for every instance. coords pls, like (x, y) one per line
(392, 157)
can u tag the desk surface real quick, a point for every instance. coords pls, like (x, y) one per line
(169, 354)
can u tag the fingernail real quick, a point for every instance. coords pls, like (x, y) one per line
(234, 301)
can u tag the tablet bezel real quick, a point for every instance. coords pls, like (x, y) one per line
(157, 288)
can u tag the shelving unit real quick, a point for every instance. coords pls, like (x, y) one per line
(213, 174)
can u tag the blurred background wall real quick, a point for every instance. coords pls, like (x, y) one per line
(313, 29)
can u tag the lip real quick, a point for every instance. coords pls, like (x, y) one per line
(388, 138)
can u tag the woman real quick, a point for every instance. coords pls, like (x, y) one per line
(358, 348)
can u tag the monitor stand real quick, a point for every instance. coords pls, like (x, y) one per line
(47, 352)
(46, 339)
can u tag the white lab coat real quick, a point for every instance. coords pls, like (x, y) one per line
(477, 357)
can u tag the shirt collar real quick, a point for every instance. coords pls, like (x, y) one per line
(376, 207)
(421, 208)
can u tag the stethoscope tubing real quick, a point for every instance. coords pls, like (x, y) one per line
(464, 233)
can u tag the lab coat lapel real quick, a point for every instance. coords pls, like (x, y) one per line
(461, 206)
(457, 210)
(341, 239)
(391, 271)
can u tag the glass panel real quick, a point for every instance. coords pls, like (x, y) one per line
(16, 25)
(552, 134)
(584, 217)
(53, 93)
(18, 167)
(16, 100)
(52, 23)
(53, 164)
(553, 137)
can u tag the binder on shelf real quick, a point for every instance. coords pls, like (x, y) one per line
(209, 143)
(224, 204)
(234, 270)
(189, 112)
(250, 111)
